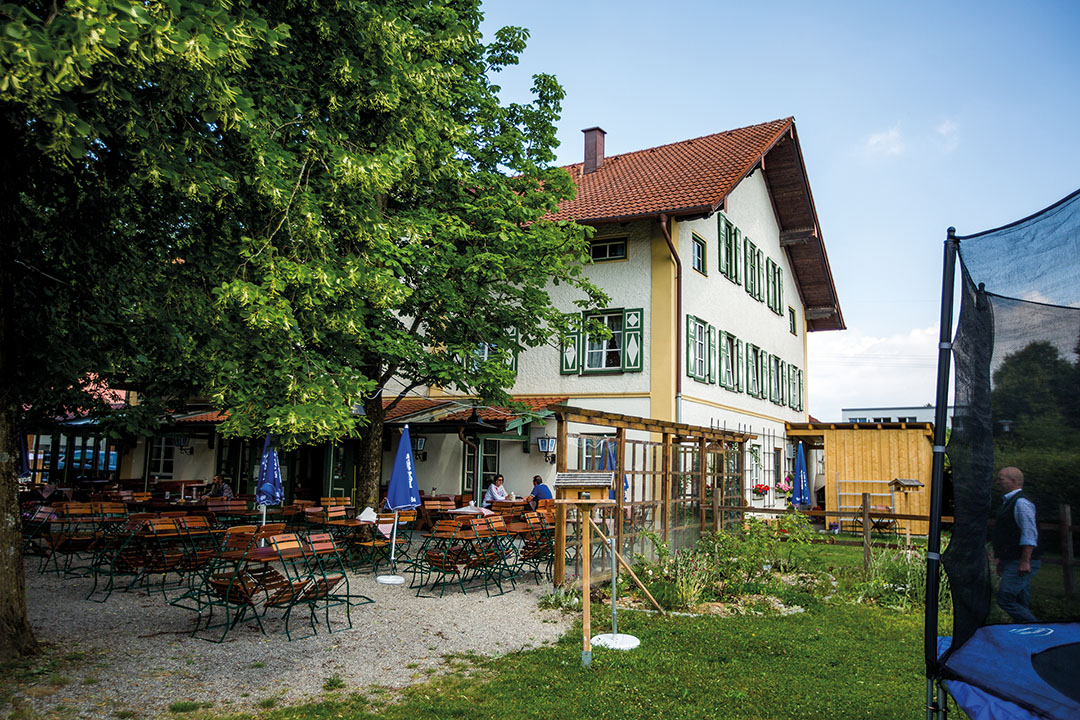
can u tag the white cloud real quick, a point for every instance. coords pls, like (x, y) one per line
(852, 369)
(947, 133)
(890, 142)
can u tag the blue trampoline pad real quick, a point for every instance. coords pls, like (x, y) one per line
(1016, 671)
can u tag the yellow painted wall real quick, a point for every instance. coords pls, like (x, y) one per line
(662, 327)
(866, 453)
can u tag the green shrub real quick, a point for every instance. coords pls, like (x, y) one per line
(726, 564)
(897, 579)
(562, 597)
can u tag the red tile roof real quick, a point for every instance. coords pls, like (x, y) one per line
(506, 413)
(408, 406)
(214, 416)
(692, 175)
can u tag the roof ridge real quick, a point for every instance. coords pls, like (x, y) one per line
(788, 119)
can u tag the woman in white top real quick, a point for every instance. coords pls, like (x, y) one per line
(495, 492)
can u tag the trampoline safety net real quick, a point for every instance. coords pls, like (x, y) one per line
(1016, 355)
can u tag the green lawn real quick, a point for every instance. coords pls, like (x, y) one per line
(836, 660)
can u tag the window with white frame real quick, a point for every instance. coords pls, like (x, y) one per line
(161, 458)
(489, 464)
(697, 246)
(730, 352)
(755, 270)
(753, 366)
(608, 249)
(700, 350)
(605, 353)
(486, 351)
(589, 352)
(792, 326)
(774, 275)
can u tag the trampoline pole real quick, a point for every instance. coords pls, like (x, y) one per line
(933, 545)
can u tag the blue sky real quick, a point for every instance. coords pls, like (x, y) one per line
(912, 117)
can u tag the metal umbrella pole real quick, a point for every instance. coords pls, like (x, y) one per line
(393, 578)
(614, 640)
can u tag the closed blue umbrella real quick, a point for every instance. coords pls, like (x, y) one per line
(403, 493)
(801, 492)
(268, 489)
(24, 459)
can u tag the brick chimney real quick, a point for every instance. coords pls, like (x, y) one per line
(594, 149)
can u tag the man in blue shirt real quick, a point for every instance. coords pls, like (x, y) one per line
(1016, 546)
(540, 491)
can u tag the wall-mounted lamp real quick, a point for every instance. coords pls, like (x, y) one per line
(183, 444)
(418, 443)
(546, 445)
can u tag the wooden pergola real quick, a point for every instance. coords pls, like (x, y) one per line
(677, 482)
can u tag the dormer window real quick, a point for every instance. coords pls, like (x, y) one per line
(608, 249)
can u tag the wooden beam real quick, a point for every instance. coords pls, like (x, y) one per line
(820, 312)
(797, 236)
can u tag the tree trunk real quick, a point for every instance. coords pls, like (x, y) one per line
(16, 636)
(370, 452)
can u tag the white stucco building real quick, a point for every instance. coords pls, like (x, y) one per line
(712, 255)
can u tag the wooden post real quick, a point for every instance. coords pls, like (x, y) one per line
(719, 483)
(665, 479)
(907, 511)
(620, 494)
(1067, 559)
(702, 477)
(586, 626)
(559, 571)
(866, 530)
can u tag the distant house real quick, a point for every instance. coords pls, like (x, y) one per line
(896, 414)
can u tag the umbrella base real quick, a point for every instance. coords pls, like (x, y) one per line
(390, 580)
(618, 641)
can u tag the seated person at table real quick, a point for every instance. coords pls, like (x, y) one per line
(495, 492)
(540, 491)
(219, 488)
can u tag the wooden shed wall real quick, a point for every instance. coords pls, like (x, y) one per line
(861, 454)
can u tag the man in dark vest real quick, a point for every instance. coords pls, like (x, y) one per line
(1015, 541)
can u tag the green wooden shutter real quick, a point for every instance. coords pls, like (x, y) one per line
(763, 374)
(725, 360)
(722, 237)
(801, 392)
(633, 355)
(748, 264)
(711, 365)
(760, 283)
(769, 375)
(691, 346)
(770, 280)
(779, 290)
(570, 354)
(736, 254)
(783, 383)
(736, 365)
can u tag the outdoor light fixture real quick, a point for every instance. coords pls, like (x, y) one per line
(546, 445)
(418, 442)
(183, 443)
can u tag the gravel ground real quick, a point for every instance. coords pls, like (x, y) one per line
(137, 654)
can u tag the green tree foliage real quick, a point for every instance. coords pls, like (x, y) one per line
(1034, 395)
(285, 206)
